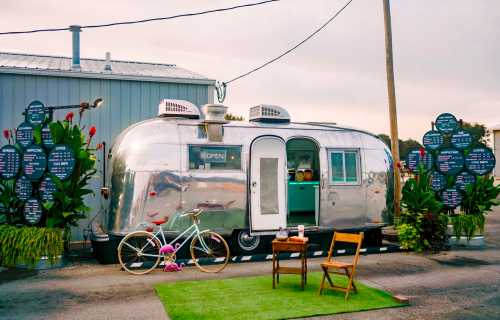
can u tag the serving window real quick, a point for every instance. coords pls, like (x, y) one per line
(215, 157)
(344, 166)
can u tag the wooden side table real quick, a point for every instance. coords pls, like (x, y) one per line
(289, 246)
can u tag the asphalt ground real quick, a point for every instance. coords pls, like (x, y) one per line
(457, 284)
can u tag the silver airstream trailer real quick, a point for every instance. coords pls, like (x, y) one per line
(251, 178)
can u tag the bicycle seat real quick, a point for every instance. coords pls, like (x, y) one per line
(160, 221)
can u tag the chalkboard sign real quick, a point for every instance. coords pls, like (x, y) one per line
(438, 181)
(35, 113)
(24, 134)
(450, 161)
(433, 140)
(10, 162)
(47, 140)
(47, 189)
(61, 161)
(414, 159)
(446, 123)
(461, 139)
(32, 211)
(451, 197)
(480, 161)
(23, 188)
(34, 162)
(463, 180)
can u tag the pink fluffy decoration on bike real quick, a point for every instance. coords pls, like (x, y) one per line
(166, 249)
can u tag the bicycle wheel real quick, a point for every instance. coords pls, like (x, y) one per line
(132, 250)
(210, 252)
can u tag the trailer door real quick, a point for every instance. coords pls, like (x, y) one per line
(268, 184)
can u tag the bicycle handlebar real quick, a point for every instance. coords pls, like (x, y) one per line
(193, 213)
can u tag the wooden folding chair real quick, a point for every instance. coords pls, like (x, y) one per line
(349, 268)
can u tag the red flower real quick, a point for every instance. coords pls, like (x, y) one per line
(422, 152)
(92, 131)
(398, 164)
(6, 134)
(99, 146)
(152, 193)
(69, 116)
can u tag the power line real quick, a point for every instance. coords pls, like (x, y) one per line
(224, 84)
(112, 24)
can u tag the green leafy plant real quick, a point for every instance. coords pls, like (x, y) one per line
(10, 206)
(467, 224)
(26, 245)
(68, 205)
(409, 237)
(423, 226)
(479, 198)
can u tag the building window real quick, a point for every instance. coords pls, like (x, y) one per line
(214, 158)
(344, 167)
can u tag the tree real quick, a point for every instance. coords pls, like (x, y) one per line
(480, 133)
(405, 146)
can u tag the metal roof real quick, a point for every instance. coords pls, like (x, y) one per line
(94, 68)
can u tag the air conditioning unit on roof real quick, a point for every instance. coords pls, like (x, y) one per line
(269, 113)
(178, 108)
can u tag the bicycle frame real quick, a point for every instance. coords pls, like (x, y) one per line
(193, 231)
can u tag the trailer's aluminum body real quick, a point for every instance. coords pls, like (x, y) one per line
(153, 156)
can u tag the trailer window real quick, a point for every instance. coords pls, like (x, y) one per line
(214, 158)
(344, 167)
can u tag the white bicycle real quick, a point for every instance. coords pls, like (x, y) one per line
(139, 252)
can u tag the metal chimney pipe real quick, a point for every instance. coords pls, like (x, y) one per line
(107, 66)
(75, 30)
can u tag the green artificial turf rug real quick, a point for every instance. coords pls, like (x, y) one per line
(254, 298)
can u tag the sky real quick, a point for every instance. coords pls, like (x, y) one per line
(446, 53)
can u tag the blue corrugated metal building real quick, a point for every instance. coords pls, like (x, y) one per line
(131, 91)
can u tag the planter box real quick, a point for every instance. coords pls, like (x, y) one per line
(477, 241)
(44, 264)
(474, 242)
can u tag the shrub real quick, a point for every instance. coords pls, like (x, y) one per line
(26, 245)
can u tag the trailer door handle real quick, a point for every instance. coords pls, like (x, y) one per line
(254, 184)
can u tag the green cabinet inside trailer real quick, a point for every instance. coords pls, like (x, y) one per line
(301, 195)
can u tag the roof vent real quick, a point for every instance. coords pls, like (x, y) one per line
(269, 113)
(178, 108)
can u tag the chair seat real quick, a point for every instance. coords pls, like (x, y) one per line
(336, 264)
(159, 221)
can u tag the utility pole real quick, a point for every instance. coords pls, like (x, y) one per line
(391, 92)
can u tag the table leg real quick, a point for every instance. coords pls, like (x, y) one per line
(274, 270)
(277, 267)
(305, 265)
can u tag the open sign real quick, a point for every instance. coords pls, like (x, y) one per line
(214, 155)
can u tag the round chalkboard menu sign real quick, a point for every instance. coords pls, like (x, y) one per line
(461, 139)
(433, 140)
(438, 181)
(463, 180)
(450, 161)
(47, 189)
(451, 197)
(414, 159)
(23, 188)
(61, 161)
(35, 113)
(34, 162)
(24, 134)
(32, 211)
(10, 162)
(446, 123)
(480, 161)
(47, 140)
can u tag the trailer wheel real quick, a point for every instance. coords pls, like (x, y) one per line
(247, 243)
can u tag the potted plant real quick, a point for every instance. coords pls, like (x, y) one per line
(478, 199)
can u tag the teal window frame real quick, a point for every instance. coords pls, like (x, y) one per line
(344, 181)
